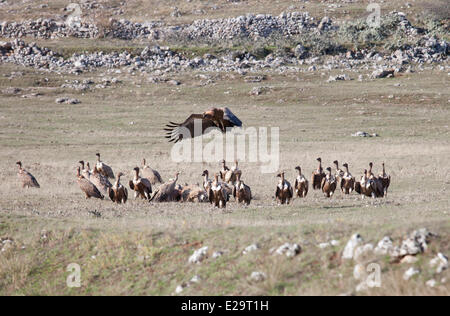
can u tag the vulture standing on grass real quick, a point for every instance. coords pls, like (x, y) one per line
(100, 181)
(85, 172)
(221, 118)
(89, 189)
(366, 186)
(193, 193)
(225, 170)
(26, 178)
(103, 168)
(168, 192)
(231, 175)
(152, 175)
(206, 182)
(317, 176)
(217, 194)
(329, 184)
(118, 193)
(378, 184)
(284, 192)
(242, 192)
(141, 186)
(347, 181)
(385, 180)
(339, 172)
(301, 184)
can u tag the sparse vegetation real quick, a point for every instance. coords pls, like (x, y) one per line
(142, 248)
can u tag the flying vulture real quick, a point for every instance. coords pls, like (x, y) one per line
(221, 118)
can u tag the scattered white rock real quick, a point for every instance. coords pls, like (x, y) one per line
(386, 247)
(382, 73)
(250, 248)
(410, 246)
(67, 101)
(217, 254)
(290, 250)
(410, 273)
(431, 283)
(180, 288)
(440, 261)
(324, 245)
(355, 241)
(342, 77)
(195, 279)
(364, 134)
(199, 255)
(258, 276)
(335, 243)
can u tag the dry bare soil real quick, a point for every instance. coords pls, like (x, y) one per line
(143, 248)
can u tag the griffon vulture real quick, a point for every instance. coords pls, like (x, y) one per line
(26, 178)
(221, 118)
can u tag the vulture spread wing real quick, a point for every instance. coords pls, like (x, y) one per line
(224, 119)
(230, 120)
(177, 132)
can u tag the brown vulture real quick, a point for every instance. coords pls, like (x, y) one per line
(27, 179)
(218, 194)
(221, 118)
(103, 168)
(329, 184)
(242, 192)
(141, 186)
(347, 181)
(385, 180)
(118, 193)
(284, 192)
(89, 189)
(152, 175)
(301, 184)
(317, 176)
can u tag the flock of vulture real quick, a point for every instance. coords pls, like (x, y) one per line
(369, 185)
(95, 183)
(226, 183)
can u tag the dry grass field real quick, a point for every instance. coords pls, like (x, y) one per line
(143, 248)
(315, 119)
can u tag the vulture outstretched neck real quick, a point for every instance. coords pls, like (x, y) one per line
(118, 180)
(299, 171)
